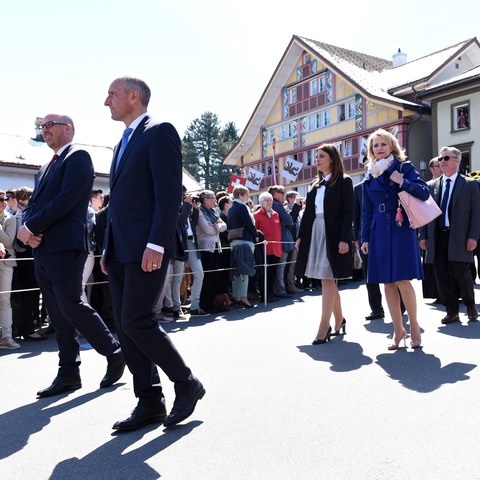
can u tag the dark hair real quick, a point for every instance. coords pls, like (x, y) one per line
(223, 201)
(275, 188)
(221, 194)
(23, 193)
(337, 165)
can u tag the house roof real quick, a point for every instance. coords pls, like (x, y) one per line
(465, 77)
(373, 76)
(421, 69)
(23, 152)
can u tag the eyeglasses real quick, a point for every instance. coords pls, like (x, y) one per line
(446, 158)
(3, 199)
(49, 125)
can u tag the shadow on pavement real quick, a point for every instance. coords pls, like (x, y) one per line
(344, 356)
(19, 424)
(469, 330)
(422, 372)
(110, 460)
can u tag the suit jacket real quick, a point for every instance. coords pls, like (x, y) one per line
(59, 202)
(338, 213)
(145, 192)
(464, 214)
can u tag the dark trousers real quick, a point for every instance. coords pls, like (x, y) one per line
(144, 342)
(212, 281)
(454, 279)
(28, 301)
(59, 276)
(272, 262)
(373, 289)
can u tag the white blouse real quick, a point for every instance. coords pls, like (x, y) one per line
(320, 197)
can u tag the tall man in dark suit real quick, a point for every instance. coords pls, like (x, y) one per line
(55, 225)
(451, 238)
(373, 289)
(137, 251)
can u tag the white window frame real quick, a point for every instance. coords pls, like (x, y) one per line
(347, 148)
(314, 87)
(292, 96)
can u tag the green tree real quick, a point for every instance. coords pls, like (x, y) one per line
(205, 146)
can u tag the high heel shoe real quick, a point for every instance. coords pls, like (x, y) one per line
(416, 343)
(342, 328)
(396, 346)
(319, 341)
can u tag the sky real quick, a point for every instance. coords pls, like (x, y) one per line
(60, 56)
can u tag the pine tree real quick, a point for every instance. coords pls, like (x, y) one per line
(205, 146)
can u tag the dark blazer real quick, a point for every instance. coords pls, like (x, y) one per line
(144, 208)
(58, 206)
(338, 212)
(180, 244)
(238, 216)
(464, 214)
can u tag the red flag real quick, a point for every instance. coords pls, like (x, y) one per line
(234, 181)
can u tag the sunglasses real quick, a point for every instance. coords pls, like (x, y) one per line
(2, 199)
(446, 158)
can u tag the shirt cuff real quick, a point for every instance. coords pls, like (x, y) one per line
(28, 230)
(157, 248)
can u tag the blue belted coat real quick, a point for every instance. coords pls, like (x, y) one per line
(393, 251)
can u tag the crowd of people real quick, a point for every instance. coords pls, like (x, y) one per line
(230, 253)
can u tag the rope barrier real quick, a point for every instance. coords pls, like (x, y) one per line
(264, 265)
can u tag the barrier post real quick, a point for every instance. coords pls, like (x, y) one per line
(265, 273)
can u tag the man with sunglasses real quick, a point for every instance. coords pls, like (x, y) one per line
(55, 226)
(451, 239)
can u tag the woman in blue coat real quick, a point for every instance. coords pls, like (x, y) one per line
(392, 246)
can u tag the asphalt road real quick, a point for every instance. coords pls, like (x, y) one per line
(276, 407)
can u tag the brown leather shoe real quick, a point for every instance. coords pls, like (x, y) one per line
(450, 318)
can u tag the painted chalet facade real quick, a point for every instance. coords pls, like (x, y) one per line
(320, 93)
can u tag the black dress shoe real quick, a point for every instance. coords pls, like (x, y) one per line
(472, 313)
(29, 338)
(59, 385)
(49, 330)
(375, 315)
(450, 318)
(184, 405)
(115, 368)
(142, 415)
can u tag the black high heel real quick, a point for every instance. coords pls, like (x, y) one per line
(319, 341)
(342, 328)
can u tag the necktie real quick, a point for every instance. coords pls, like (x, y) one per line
(123, 146)
(444, 204)
(50, 165)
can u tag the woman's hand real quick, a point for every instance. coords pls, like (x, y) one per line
(365, 248)
(343, 247)
(397, 177)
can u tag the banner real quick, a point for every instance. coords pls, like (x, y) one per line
(254, 179)
(234, 181)
(291, 169)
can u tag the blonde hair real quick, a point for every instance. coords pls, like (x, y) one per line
(392, 142)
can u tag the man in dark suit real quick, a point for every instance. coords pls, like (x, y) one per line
(373, 289)
(55, 225)
(137, 251)
(451, 238)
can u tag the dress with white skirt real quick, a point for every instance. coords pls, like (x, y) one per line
(318, 265)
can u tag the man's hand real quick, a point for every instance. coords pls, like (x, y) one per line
(423, 244)
(188, 198)
(23, 234)
(35, 240)
(152, 260)
(471, 244)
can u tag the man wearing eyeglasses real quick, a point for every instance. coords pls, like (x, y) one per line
(54, 225)
(434, 167)
(451, 239)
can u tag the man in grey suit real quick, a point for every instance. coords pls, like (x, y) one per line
(451, 238)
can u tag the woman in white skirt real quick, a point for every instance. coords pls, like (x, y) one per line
(325, 237)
